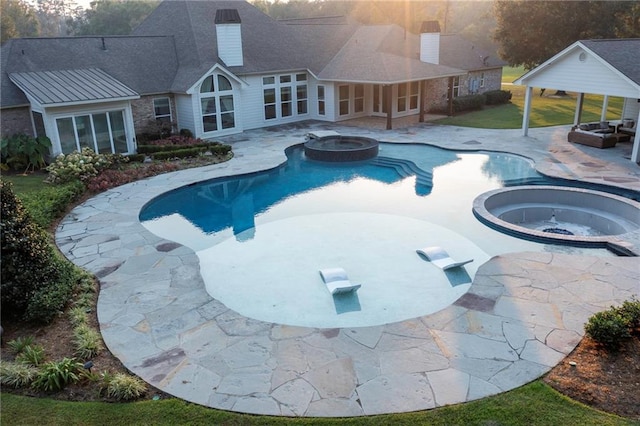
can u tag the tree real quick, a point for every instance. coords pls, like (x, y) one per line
(17, 19)
(113, 17)
(530, 32)
(55, 16)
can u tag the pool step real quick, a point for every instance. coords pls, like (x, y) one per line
(406, 168)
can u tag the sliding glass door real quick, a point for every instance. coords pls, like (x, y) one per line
(103, 132)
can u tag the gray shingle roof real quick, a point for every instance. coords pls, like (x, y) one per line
(71, 86)
(145, 64)
(623, 54)
(369, 56)
(176, 45)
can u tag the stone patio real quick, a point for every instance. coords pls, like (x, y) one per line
(523, 313)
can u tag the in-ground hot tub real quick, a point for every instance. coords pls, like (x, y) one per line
(562, 215)
(341, 148)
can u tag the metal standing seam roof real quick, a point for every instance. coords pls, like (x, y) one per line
(71, 86)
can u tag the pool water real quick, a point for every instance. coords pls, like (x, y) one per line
(262, 238)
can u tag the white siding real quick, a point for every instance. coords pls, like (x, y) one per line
(631, 108)
(252, 103)
(430, 48)
(578, 71)
(229, 38)
(185, 113)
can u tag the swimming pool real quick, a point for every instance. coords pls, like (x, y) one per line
(261, 238)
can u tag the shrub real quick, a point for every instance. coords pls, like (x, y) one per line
(35, 281)
(87, 341)
(18, 345)
(152, 149)
(17, 375)
(78, 316)
(497, 97)
(52, 295)
(186, 133)
(31, 355)
(111, 178)
(155, 129)
(136, 158)
(608, 328)
(630, 310)
(123, 387)
(177, 140)
(54, 376)
(81, 165)
(180, 153)
(22, 151)
(469, 102)
(48, 204)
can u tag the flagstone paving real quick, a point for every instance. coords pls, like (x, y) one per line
(523, 313)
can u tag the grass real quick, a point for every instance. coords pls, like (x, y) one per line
(546, 110)
(533, 404)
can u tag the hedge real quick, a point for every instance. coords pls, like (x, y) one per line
(36, 282)
(497, 97)
(469, 102)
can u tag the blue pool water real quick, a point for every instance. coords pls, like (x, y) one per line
(262, 238)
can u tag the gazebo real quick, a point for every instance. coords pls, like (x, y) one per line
(603, 67)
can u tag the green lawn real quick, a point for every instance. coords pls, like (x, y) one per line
(530, 405)
(546, 110)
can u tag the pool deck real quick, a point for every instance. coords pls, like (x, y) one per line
(523, 313)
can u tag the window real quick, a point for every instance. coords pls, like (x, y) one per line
(285, 101)
(482, 80)
(358, 100)
(402, 97)
(38, 123)
(217, 103)
(321, 105)
(162, 109)
(269, 103)
(414, 95)
(301, 95)
(102, 132)
(343, 99)
(285, 95)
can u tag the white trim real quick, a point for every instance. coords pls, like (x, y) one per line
(195, 88)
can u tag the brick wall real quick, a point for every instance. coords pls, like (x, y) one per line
(143, 114)
(16, 120)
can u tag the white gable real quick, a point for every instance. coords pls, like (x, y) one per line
(578, 70)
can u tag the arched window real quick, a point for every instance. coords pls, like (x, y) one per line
(217, 103)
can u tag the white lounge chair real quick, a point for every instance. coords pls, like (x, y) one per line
(337, 281)
(439, 257)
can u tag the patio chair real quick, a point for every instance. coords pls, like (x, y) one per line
(439, 257)
(337, 281)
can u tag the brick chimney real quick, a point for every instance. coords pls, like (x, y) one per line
(430, 42)
(229, 37)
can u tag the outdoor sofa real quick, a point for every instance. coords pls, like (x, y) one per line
(598, 135)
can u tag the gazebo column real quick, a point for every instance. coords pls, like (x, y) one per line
(605, 106)
(528, 93)
(635, 152)
(579, 103)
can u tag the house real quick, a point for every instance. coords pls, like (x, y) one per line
(603, 67)
(221, 67)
